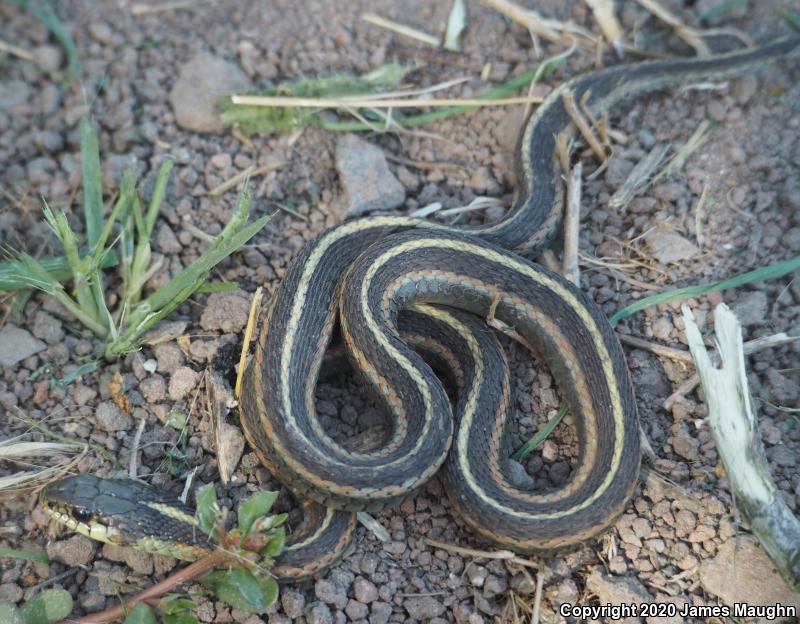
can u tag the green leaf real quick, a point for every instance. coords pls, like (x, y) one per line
(141, 614)
(51, 605)
(207, 508)
(39, 556)
(275, 544)
(540, 435)
(9, 614)
(14, 274)
(173, 604)
(215, 287)
(83, 369)
(158, 196)
(254, 507)
(183, 617)
(176, 419)
(779, 269)
(238, 588)
(47, 16)
(92, 183)
(270, 590)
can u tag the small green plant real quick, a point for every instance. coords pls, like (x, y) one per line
(250, 549)
(126, 234)
(50, 605)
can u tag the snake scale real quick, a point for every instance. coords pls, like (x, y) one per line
(407, 292)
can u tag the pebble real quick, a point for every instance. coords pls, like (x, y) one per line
(18, 344)
(423, 607)
(153, 388)
(200, 82)
(225, 311)
(13, 93)
(744, 88)
(355, 610)
(292, 602)
(518, 476)
(166, 241)
(10, 592)
(668, 246)
(365, 591)
(74, 551)
(330, 593)
(182, 382)
(365, 177)
(782, 455)
(169, 357)
(111, 418)
(751, 308)
(782, 389)
(319, 614)
(47, 327)
(48, 57)
(380, 613)
(101, 32)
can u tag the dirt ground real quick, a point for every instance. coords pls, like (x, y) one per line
(679, 540)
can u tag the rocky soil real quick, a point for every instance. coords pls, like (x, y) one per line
(148, 82)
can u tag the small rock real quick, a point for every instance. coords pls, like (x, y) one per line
(356, 610)
(74, 551)
(48, 57)
(319, 614)
(293, 603)
(139, 561)
(745, 88)
(477, 575)
(169, 357)
(756, 583)
(751, 308)
(153, 389)
(611, 590)
(685, 445)
(782, 455)
(47, 327)
(782, 389)
(101, 32)
(618, 171)
(380, 613)
(10, 592)
(518, 476)
(18, 344)
(494, 586)
(365, 591)
(13, 93)
(225, 312)
(668, 246)
(182, 381)
(166, 241)
(365, 177)
(200, 82)
(423, 607)
(330, 593)
(111, 418)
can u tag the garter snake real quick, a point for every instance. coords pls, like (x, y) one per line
(361, 274)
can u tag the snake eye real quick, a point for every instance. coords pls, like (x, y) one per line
(81, 515)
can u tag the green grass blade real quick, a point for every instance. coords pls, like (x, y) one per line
(722, 9)
(39, 556)
(158, 196)
(792, 17)
(540, 435)
(503, 90)
(92, 183)
(127, 189)
(43, 11)
(779, 269)
(14, 275)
